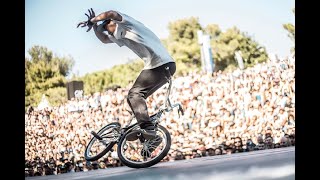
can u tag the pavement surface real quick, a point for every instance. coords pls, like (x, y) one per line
(263, 164)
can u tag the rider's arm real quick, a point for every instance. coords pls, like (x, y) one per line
(100, 35)
(107, 15)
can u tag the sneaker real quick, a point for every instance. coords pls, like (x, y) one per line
(153, 144)
(132, 136)
(149, 133)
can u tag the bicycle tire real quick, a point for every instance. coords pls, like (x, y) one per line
(108, 147)
(150, 163)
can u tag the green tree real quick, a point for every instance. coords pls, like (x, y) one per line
(225, 44)
(182, 43)
(45, 74)
(291, 30)
(119, 75)
(214, 30)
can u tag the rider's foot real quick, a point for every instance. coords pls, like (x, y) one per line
(148, 132)
(132, 136)
(152, 145)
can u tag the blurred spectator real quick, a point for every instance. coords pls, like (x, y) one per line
(269, 142)
(229, 150)
(211, 152)
(284, 142)
(218, 151)
(238, 146)
(260, 143)
(250, 145)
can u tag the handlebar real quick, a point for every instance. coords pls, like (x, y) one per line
(173, 106)
(169, 106)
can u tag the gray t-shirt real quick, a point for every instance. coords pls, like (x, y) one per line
(141, 40)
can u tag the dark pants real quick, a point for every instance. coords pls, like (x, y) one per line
(146, 84)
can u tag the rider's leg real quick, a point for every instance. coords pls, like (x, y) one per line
(146, 84)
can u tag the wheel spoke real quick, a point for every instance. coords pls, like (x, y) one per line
(151, 146)
(147, 151)
(96, 147)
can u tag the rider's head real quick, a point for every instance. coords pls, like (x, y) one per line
(109, 25)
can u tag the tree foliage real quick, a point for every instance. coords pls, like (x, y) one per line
(291, 31)
(45, 73)
(182, 43)
(225, 44)
(119, 75)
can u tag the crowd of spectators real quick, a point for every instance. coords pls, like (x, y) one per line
(225, 113)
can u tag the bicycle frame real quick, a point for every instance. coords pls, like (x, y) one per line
(117, 133)
(168, 106)
(155, 117)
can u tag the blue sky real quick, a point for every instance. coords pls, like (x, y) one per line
(52, 23)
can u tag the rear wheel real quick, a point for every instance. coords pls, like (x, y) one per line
(96, 148)
(133, 153)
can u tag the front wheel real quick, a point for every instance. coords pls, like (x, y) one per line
(133, 153)
(97, 148)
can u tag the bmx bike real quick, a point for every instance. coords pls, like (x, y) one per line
(134, 154)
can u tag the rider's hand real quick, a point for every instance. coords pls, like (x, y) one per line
(88, 22)
(83, 23)
(90, 16)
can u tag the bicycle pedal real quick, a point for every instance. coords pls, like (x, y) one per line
(96, 135)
